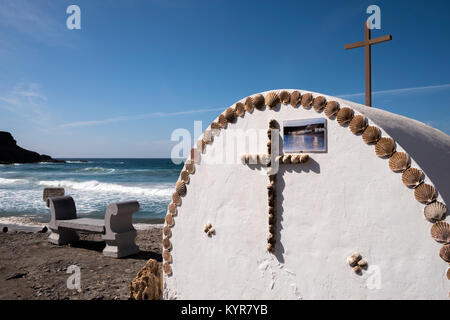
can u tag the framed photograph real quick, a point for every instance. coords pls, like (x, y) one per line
(306, 135)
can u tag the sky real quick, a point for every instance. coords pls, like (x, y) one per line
(139, 69)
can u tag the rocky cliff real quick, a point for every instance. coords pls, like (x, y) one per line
(10, 152)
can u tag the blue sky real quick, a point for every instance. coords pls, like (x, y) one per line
(137, 70)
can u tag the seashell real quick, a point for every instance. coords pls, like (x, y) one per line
(248, 104)
(385, 147)
(201, 145)
(444, 253)
(190, 167)
(272, 219)
(319, 103)
(271, 247)
(253, 159)
(207, 227)
(208, 136)
(440, 231)
(264, 159)
(195, 156)
(357, 269)
(239, 109)
(215, 125)
(344, 116)
(230, 115)
(222, 121)
(170, 222)
(167, 256)
(272, 177)
(258, 102)
(425, 193)
(399, 162)
(184, 176)
(352, 261)
(307, 99)
(271, 239)
(167, 232)
(180, 188)
(272, 99)
(362, 263)
(273, 124)
(358, 124)
(244, 159)
(285, 97)
(435, 211)
(167, 268)
(210, 232)
(176, 198)
(331, 109)
(172, 208)
(271, 210)
(304, 158)
(295, 99)
(272, 228)
(448, 273)
(286, 159)
(167, 244)
(295, 158)
(412, 177)
(371, 135)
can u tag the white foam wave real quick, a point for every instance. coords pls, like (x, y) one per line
(96, 186)
(99, 169)
(11, 181)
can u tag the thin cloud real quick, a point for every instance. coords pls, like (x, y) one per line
(135, 117)
(397, 91)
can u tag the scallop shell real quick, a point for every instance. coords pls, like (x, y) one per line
(190, 167)
(385, 147)
(201, 145)
(253, 159)
(180, 187)
(207, 227)
(440, 231)
(344, 116)
(248, 104)
(358, 124)
(272, 228)
(230, 115)
(331, 109)
(286, 159)
(215, 126)
(208, 136)
(435, 211)
(295, 99)
(239, 109)
(272, 99)
(167, 232)
(271, 247)
(362, 263)
(352, 261)
(448, 273)
(167, 256)
(264, 159)
(272, 219)
(170, 222)
(371, 135)
(195, 156)
(271, 239)
(295, 158)
(304, 158)
(357, 269)
(258, 102)
(210, 232)
(167, 244)
(185, 176)
(272, 210)
(172, 208)
(444, 253)
(425, 193)
(176, 198)
(319, 103)
(307, 99)
(167, 268)
(285, 97)
(412, 177)
(399, 162)
(273, 124)
(222, 121)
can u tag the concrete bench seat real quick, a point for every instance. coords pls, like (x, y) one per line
(83, 224)
(116, 228)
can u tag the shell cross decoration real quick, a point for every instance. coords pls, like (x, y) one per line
(266, 160)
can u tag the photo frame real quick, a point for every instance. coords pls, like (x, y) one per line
(305, 135)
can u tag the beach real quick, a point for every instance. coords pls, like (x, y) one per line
(31, 268)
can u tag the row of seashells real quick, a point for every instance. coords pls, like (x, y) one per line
(271, 195)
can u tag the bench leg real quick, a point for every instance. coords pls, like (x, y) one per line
(62, 236)
(120, 245)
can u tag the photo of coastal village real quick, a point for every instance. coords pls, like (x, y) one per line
(304, 135)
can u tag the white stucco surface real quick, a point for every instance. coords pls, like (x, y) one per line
(341, 201)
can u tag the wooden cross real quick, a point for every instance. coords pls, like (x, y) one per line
(367, 44)
(273, 157)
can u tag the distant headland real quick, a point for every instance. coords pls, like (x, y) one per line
(11, 153)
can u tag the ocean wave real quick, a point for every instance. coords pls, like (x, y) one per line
(77, 161)
(96, 186)
(11, 181)
(98, 169)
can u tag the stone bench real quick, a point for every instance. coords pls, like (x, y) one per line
(116, 229)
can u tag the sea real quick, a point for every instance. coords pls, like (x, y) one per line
(93, 183)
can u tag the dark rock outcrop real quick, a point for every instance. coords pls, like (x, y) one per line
(10, 152)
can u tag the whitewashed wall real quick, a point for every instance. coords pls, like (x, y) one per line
(342, 201)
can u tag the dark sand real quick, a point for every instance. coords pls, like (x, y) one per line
(33, 268)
